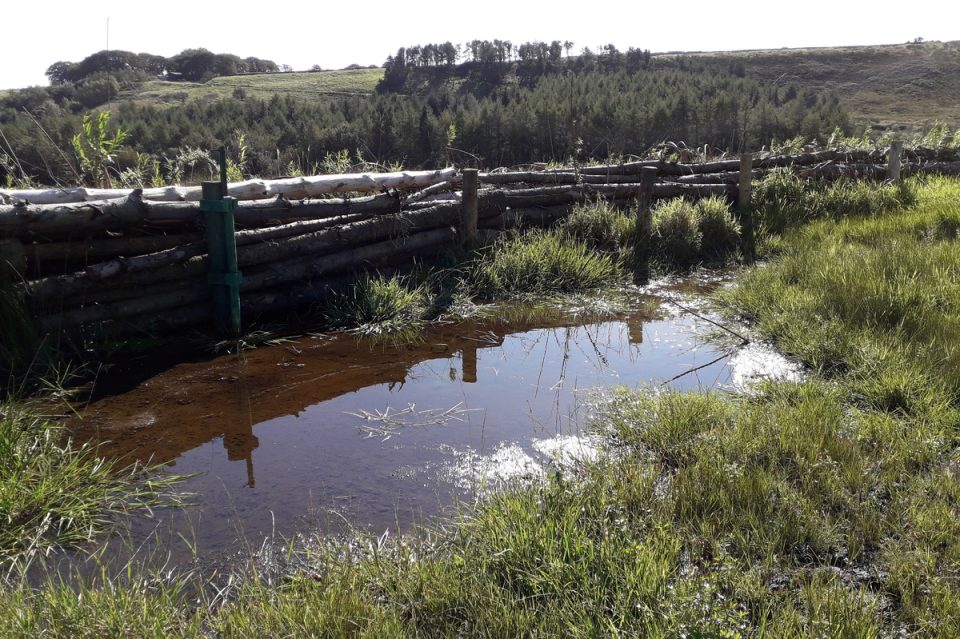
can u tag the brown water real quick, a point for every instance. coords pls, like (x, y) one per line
(331, 430)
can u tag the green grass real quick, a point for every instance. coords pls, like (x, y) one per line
(782, 201)
(540, 263)
(57, 494)
(264, 86)
(378, 305)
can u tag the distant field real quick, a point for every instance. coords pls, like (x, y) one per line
(305, 84)
(906, 85)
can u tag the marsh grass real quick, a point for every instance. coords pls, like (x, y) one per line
(55, 493)
(378, 304)
(539, 263)
(687, 233)
(783, 201)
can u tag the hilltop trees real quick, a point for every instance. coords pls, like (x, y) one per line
(127, 67)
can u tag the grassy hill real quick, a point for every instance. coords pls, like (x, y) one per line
(905, 85)
(305, 84)
(890, 86)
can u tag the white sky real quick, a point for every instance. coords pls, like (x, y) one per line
(37, 33)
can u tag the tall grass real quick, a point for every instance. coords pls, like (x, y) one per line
(377, 304)
(55, 493)
(540, 263)
(782, 200)
(686, 233)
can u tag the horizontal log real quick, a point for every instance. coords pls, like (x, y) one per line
(429, 192)
(105, 248)
(292, 188)
(727, 177)
(549, 196)
(189, 261)
(932, 168)
(40, 220)
(539, 177)
(155, 299)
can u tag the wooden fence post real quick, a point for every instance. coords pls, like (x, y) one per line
(648, 178)
(893, 160)
(743, 204)
(469, 209)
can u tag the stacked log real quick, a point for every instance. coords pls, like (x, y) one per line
(137, 258)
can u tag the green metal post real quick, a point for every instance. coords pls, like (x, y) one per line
(223, 274)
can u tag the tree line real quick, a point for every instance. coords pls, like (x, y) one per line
(195, 65)
(592, 108)
(492, 60)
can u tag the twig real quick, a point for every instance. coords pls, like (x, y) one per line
(697, 368)
(708, 320)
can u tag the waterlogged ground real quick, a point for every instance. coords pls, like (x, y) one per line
(331, 432)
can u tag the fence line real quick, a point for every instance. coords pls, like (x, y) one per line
(144, 263)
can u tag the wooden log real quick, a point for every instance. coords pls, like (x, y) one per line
(832, 171)
(252, 236)
(155, 299)
(931, 168)
(257, 189)
(362, 232)
(429, 192)
(727, 177)
(469, 211)
(13, 261)
(549, 196)
(540, 177)
(642, 251)
(105, 248)
(721, 166)
(188, 261)
(134, 212)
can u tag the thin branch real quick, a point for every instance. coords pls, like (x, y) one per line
(697, 368)
(708, 320)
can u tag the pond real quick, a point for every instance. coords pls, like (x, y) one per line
(336, 432)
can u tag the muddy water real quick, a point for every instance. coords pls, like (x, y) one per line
(332, 431)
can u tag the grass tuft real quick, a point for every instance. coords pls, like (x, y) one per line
(378, 305)
(540, 263)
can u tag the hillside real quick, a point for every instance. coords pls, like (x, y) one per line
(307, 84)
(906, 85)
(889, 86)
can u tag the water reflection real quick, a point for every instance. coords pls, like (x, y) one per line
(386, 434)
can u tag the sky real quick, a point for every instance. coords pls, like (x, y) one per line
(301, 34)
